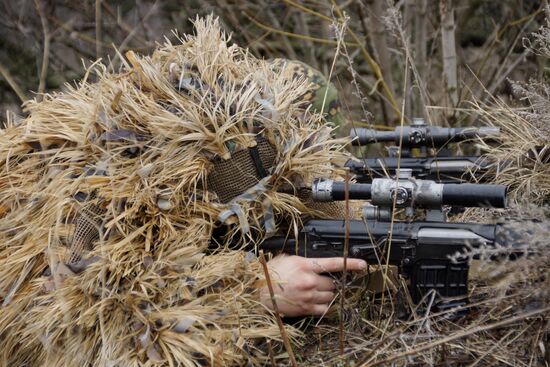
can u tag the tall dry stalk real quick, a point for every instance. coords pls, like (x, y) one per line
(379, 41)
(448, 48)
(420, 51)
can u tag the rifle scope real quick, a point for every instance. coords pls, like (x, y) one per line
(421, 135)
(420, 193)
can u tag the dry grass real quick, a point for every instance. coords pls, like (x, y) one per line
(523, 154)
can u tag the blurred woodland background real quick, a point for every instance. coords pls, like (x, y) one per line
(456, 50)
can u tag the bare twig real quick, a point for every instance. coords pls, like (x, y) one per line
(293, 35)
(290, 53)
(496, 40)
(284, 335)
(375, 67)
(13, 84)
(396, 25)
(46, 51)
(307, 10)
(67, 26)
(394, 202)
(449, 50)
(124, 43)
(123, 25)
(421, 52)
(500, 74)
(344, 272)
(304, 29)
(270, 351)
(98, 37)
(379, 44)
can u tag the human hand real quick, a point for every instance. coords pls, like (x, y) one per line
(299, 287)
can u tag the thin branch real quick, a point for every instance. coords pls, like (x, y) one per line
(357, 43)
(466, 91)
(123, 25)
(449, 50)
(68, 28)
(13, 84)
(284, 335)
(375, 67)
(344, 272)
(293, 35)
(46, 52)
(98, 51)
(307, 10)
(124, 43)
(270, 351)
(126, 40)
(380, 49)
(290, 53)
(394, 201)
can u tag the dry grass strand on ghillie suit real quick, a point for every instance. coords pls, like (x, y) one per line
(523, 155)
(109, 202)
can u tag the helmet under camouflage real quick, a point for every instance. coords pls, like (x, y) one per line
(323, 95)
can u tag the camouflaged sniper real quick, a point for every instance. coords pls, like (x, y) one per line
(232, 177)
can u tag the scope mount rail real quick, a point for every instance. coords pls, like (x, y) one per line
(441, 169)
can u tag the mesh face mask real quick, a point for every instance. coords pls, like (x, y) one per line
(87, 230)
(230, 178)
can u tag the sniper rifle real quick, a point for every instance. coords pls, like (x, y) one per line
(429, 253)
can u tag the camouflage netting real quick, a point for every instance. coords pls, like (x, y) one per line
(110, 197)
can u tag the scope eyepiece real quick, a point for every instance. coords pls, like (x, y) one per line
(329, 190)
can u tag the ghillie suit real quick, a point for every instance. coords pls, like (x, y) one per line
(111, 192)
